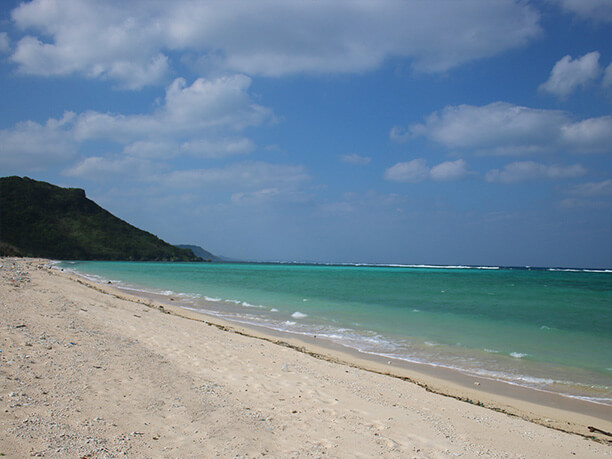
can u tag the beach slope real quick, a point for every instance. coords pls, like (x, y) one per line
(88, 373)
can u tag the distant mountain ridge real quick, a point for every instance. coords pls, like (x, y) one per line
(198, 251)
(38, 219)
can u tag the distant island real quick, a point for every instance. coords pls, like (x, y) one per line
(38, 219)
(198, 251)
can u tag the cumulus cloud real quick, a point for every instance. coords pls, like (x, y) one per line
(568, 74)
(596, 10)
(130, 42)
(530, 170)
(32, 146)
(449, 170)
(94, 39)
(201, 120)
(355, 159)
(591, 135)
(417, 171)
(410, 171)
(501, 128)
(222, 103)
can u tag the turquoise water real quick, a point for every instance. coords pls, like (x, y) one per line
(545, 329)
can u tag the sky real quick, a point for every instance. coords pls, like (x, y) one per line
(387, 131)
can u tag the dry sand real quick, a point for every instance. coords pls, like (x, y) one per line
(86, 371)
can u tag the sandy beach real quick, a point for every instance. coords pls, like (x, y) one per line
(89, 371)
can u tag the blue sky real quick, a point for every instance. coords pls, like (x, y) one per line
(438, 132)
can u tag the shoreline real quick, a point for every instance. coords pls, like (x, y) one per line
(547, 382)
(549, 409)
(89, 370)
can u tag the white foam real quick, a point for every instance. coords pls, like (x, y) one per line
(249, 305)
(298, 315)
(518, 355)
(273, 310)
(211, 298)
(574, 270)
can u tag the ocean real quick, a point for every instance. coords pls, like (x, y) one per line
(546, 329)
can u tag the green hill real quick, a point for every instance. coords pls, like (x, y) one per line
(38, 219)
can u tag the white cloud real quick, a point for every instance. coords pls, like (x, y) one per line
(33, 146)
(249, 175)
(411, 171)
(450, 170)
(417, 171)
(248, 182)
(271, 195)
(607, 79)
(530, 170)
(497, 128)
(501, 128)
(593, 189)
(152, 149)
(597, 10)
(222, 148)
(135, 75)
(593, 135)
(209, 148)
(100, 168)
(5, 43)
(355, 159)
(400, 134)
(256, 197)
(94, 39)
(568, 74)
(130, 42)
(222, 103)
(202, 120)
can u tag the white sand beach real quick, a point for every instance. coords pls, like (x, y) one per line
(88, 371)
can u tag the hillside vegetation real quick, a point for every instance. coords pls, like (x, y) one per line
(38, 219)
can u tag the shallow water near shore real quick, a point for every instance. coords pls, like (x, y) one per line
(544, 329)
